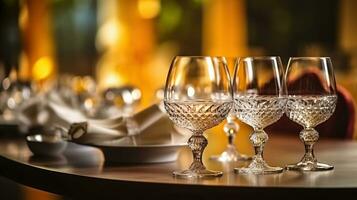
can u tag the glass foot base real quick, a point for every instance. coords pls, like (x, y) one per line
(202, 173)
(265, 170)
(309, 166)
(258, 166)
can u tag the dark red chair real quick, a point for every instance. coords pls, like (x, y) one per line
(339, 125)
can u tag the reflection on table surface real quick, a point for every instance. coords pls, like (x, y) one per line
(89, 161)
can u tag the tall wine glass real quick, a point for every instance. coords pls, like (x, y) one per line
(198, 96)
(231, 128)
(259, 101)
(312, 100)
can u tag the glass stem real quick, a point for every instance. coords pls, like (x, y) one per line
(231, 137)
(231, 128)
(258, 138)
(197, 143)
(309, 136)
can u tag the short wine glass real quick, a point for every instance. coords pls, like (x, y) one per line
(198, 96)
(231, 128)
(311, 100)
(259, 101)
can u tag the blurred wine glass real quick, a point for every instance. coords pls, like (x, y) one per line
(13, 94)
(231, 127)
(122, 99)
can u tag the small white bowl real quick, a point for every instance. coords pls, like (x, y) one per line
(46, 145)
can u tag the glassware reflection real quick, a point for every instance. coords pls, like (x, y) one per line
(231, 154)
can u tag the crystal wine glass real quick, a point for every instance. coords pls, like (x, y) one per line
(198, 96)
(311, 89)
(259, 101)
(231, 128)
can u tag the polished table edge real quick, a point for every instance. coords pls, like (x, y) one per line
(78, 186)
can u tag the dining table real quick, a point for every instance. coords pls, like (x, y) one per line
(81, 172)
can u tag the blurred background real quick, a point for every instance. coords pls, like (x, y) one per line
(119, 43)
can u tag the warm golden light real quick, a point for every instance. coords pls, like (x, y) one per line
(37, 56)
(24, 67)
(130, 60)
(82, 84)
(112, 79)
(23, 16)
(77, 84)
(149, 8)
(89, 103)
(43, 68)
(217, 38)
(13, 75)
(109, 33)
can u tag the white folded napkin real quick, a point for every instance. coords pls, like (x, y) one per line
(51, 110)
(148, 127)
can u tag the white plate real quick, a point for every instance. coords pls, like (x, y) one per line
(140, 154)
(124, 153)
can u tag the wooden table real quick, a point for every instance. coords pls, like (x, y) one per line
(82, 173)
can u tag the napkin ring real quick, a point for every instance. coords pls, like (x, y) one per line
(77, 130)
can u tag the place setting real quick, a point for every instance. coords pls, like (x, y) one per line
(59, 117)
(172, 99)
(165, 142)
(200, 93)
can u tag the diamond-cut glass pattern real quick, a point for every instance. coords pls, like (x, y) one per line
(259, 111)
(197, 115)
(310, 111)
